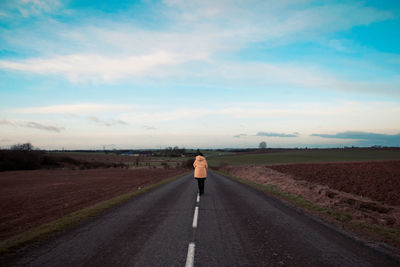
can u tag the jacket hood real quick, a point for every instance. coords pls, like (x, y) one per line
(200, 158)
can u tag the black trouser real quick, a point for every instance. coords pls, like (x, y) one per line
(201, 181)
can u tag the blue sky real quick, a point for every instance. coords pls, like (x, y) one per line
(215, 74)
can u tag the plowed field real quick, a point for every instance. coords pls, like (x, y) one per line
(377, 180)
(31, 198)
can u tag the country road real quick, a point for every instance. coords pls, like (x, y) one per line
(230, 225)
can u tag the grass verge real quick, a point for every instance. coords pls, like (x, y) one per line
(13, 244)
(388, 234)
(294, 199)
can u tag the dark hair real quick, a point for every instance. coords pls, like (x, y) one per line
(200, 154)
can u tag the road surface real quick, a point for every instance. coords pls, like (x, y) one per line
(230, 225)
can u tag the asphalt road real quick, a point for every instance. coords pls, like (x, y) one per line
(236, 226)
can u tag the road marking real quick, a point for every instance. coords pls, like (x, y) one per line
(196, 215)
(190, 255)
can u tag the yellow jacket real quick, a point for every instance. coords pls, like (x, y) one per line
(200, 167)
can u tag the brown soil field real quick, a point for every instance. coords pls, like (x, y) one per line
(378, 181)
(31, 198)
(360, 208)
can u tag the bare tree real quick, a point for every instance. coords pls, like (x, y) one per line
(262, 145)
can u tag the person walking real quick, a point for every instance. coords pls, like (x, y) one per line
(200, 171)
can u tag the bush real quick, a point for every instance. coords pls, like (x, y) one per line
(220, 166)
(166, 166)
(68, 160)
(188, 164)
(19, 160)
(49, 161)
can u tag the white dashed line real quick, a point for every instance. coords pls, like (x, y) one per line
(190, 255)
(196, 215)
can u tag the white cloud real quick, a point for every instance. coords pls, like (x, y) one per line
(94, 67)
(332, 18)
(304, 117)
(170, 115)
(211, 125)
(272, 75)
(28, 8)
(33, 125)
(200, 31)
(107, 123)
(97, 68)
(266, 20)
(301, 116)
(286, 111)
(342, 45)
(87, 108)
(240, 135)
(149, 127)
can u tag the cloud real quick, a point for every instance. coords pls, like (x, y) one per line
(77, 67)
(342, 45)
(272, 23)
(269, 134)
(170, 115)
(240, 135)
(36, 7)
(149, 127)
(6, 122)
(73, 109)
(39, 126)
(106, 122)
(103, 49)
(98, 68)
(287, 16)
(33, 125)
(331, 18)
(284, 75)
(29, 8)
(333, 115)
(366, 137)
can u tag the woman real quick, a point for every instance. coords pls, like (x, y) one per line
(200, 171)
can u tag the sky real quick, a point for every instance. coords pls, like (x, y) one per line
(199, 74)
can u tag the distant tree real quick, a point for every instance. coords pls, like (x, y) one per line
(137, 161)
(262, 145)
(173, 151)
(25, 147)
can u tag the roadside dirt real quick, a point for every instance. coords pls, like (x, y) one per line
(362, 209)
(31, 198)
